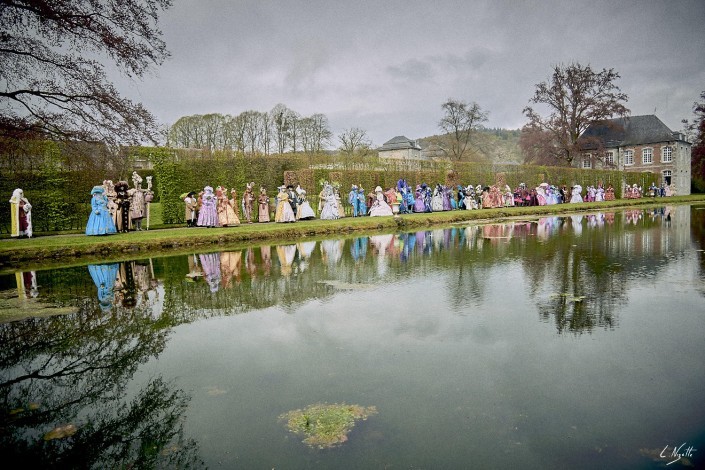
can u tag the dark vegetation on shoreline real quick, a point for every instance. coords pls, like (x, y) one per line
(41, 252)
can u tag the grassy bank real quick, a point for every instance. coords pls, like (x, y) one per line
(48, 250)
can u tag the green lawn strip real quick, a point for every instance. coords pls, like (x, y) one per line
(17, 253)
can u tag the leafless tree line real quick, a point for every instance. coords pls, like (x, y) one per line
(252, 132)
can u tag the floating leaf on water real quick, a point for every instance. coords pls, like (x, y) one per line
(348, 285)
(569, 297)
(61, 432)
(170, 450)
(214, 391)
(325, 425)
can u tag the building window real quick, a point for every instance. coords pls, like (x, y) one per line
(667, 177)
(647, 156)
(587, 162)
(609, 158)
(667, 154)
(629, 157)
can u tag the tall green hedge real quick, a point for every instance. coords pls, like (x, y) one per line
(61, 199)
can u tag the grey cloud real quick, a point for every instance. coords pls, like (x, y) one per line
(412, 70)
(387, 66)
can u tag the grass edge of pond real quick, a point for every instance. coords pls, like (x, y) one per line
(50, 250)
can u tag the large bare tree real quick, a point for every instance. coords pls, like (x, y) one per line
(575, 97)
(252, 121)
(281, 118)
(315, 133)
(294, 130)
(52, 74)
(460, 122)
(321, 132)
(354, 141)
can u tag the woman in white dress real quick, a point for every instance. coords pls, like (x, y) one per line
(599, 193)
(329, 211)
(470, 201)
(304, 210)
(576, 194)
(380, 206)
(437, 199)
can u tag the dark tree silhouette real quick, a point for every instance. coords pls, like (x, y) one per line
(576, 97)
(72, 371)
(697, 130)
(54, 83)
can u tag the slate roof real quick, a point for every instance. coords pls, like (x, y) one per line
(633, 130)
(400, 142)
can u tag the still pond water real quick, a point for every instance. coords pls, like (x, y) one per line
(562, 342)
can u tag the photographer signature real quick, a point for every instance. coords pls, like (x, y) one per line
(678, 453)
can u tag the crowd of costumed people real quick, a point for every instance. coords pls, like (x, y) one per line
(117, 207)
(214, 208)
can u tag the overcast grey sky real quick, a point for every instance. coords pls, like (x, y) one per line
(387, 66)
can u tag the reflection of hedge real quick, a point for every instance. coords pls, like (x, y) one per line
(60, 199)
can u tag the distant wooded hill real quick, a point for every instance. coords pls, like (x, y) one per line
(490, 145)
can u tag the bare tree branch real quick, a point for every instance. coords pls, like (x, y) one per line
(44, 58)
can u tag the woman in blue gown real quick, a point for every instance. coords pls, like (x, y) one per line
(100, 222)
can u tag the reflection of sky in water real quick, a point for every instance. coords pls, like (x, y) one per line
(570, 342)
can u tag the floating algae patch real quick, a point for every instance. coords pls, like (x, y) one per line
(13, 308)
(61, 432)
(325, 425)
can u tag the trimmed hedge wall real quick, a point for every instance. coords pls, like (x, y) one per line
(61, 199)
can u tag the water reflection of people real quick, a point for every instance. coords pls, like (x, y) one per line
(420, 237)
(104, 276)
(497, 233)
(144, 280)
(210, 263)
(577, 224)
(358, 248)
(633, 216)
(125, 290)
(26, 284)
(250, 264)
(266, 253)
(546, 227)
(230, 263)
(305, 250)
(332, 251)
(194, 268)
(382, 244)
(286, 254)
